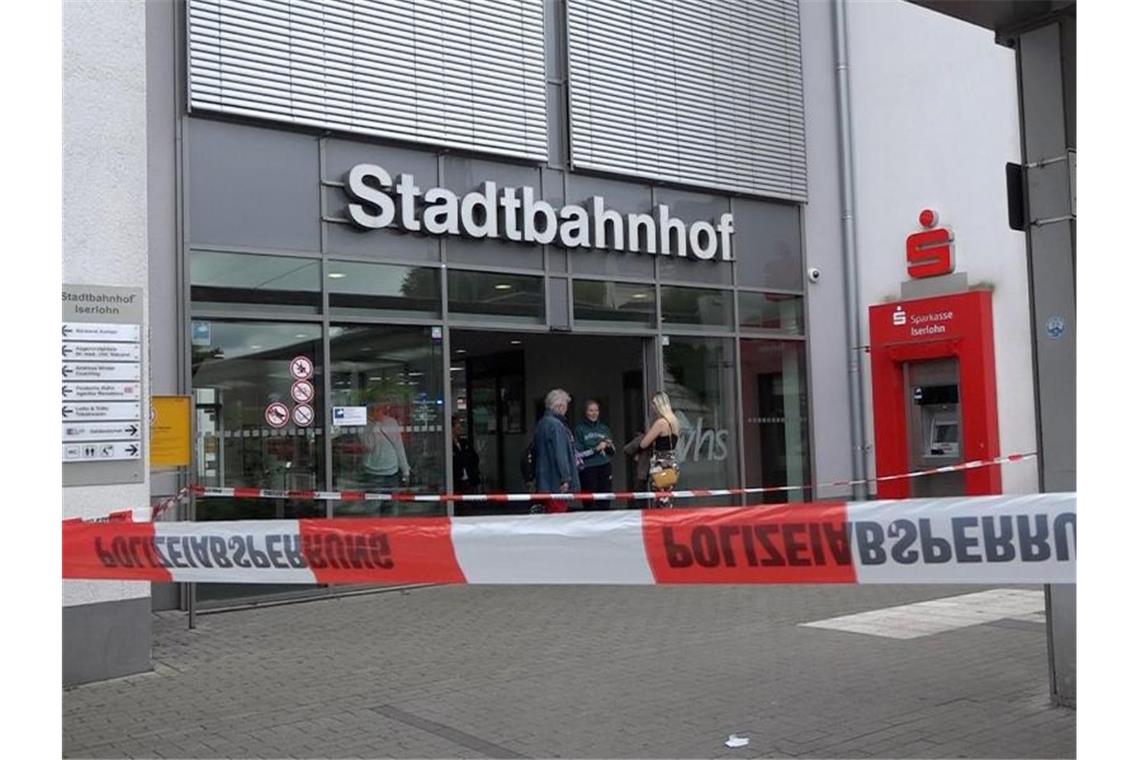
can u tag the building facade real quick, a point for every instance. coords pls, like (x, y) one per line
(419, 219)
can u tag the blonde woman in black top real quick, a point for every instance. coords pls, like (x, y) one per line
(662, 439)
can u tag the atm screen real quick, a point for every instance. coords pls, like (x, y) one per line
(946, 432)
(944, 439)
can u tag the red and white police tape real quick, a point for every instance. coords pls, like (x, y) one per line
(268, 493)
(980, 539)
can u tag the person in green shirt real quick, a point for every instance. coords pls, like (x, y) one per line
(595, 446)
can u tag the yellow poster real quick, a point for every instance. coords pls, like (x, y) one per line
(169, 431)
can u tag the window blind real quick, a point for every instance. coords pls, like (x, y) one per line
(689, 91)
(458, 73)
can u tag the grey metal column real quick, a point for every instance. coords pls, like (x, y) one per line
(1046, 56)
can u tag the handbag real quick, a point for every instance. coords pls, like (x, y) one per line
(663, 470)
(663, 476)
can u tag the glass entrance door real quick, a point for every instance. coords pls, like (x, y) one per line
(245, 376)
(388, 383)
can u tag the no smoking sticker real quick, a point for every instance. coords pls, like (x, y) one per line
(303, 415)
(301, 367)
(303, 391)
(277, 415)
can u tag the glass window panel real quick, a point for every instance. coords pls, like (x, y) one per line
(700, 380)
(697, 307)
(394, 377)
(779, 312)
(607, 302)
(356, 287)
(238, 370)
(251, 282)
(773, 380)
(505, 297)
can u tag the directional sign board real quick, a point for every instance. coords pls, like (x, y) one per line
(122, 411)
(101, 431)
(101, 451)
(114, 352)
(101, 392)
(99, 331)
(76, 371)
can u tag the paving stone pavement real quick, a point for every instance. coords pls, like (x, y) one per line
(546, 671)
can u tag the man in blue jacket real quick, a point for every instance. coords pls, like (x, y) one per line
(596, 446)
(555, 466)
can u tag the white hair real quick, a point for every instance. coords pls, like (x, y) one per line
(556, 397)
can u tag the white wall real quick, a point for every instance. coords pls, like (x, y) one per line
(935, 119)
(104, 203)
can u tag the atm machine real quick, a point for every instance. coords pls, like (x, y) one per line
(934, 425)
(934, 390)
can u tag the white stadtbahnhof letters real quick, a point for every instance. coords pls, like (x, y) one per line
(377, 201)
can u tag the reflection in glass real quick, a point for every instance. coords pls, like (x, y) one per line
(356, 287)
(600, 301)
(700, 381)
(238, 370)
(393, 378)
(697, 307)
(250, 281)
(772, 311)
(509, 298)
(774, 389)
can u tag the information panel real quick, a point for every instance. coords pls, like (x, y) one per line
(169, 431)
(101, 385)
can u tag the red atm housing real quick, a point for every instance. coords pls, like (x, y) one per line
(954, 326)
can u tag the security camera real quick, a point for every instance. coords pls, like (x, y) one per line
(814, 274)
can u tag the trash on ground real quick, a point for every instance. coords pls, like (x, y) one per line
(735, 741)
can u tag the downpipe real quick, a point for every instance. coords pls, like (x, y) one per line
(850, 270)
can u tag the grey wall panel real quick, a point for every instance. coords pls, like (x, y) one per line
(557, 260)
(678, 91)
(106, 640)
(553, 187)
(767, 245)
(391, 243)
(558, 303)
(611, 263)
(462, 175)
(340, 157)
(493, 253)
(695, 207)
(468, 73)
(251, 187)
(620, 196)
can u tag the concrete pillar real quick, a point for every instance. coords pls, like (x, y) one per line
(106, 624)
(1047, 86)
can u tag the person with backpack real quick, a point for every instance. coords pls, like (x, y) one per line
(555, 463)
